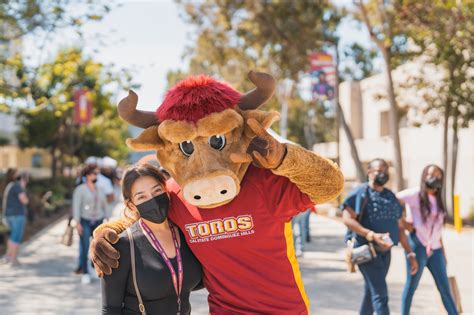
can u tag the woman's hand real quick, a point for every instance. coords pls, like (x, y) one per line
(378, 239)
(79, 228)
(413, 265)
(409, 227)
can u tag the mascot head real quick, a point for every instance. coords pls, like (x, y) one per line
(199, 125)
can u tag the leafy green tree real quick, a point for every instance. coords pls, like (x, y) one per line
(46, 120)
(21, 17)
(233, 37)
(41, 19)
(380, 19)
(444, 32)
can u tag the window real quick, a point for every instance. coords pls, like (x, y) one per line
(36, 160)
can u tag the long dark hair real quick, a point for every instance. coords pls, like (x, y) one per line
(425, 207)
(11, 176)
(130, 175)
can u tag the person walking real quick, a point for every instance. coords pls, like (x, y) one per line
(14, 207)
(168, 270)
(89, 206)
(425, 217)
(381, 224)
(300, 235)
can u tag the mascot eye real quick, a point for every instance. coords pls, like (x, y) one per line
(217, 142)
(186, 147)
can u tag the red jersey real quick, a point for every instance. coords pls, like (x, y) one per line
(246, 246)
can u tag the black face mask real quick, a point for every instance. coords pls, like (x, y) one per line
(434, 183)
(155, 209)
(381, 179)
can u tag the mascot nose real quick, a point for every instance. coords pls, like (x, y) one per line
(210, 191)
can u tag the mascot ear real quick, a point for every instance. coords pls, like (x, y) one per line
(148, 140)
(264, 118)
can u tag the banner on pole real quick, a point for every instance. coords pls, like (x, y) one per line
(323, 76)
(82, 107)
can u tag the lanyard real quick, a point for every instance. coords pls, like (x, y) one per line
(178, 284)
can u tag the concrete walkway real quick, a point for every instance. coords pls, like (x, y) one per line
(45, 284)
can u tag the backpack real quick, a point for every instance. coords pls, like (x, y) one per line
(362, 199)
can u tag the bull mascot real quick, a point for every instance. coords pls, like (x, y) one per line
(235, 190)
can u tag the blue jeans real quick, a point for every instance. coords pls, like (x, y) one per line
(16, 224)
(437, 266)
(87, 228)
(375, 293)
(302, 220)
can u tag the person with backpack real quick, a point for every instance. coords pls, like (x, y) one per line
(374, 216)
(425, 217)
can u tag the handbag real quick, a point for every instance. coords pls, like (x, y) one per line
(364, 253)
(68, 234)
(4, 220)
(141, 306)
(453, 285)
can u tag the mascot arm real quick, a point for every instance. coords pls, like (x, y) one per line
(118, 226)
(314, 175)
(103, 254)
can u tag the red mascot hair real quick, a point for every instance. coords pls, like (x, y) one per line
(196, 97)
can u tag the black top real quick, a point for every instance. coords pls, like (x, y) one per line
(153, 277)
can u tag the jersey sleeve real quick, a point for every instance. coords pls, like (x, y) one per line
(283, 198)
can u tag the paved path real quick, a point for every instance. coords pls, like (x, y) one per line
(44, 284)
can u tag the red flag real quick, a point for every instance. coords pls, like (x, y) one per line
(82, 107)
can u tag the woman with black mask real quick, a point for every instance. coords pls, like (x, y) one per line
(374, 215)
(89, 209)
(157, 271)
(425, 216)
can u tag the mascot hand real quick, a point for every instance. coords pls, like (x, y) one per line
(264, 150)
(102, 253)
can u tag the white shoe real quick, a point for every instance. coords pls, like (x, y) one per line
(93, 274)
(5, 260)
(86, 279)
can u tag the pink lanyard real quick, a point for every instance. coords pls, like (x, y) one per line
(157, 246)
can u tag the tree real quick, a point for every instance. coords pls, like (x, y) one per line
(46, 120)
(361, 60)
(444, 32)
(233, 37)
(357, 62)
(39, 18)
(380, 20)
(22, 17)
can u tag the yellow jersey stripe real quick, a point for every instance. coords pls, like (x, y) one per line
(290, 253)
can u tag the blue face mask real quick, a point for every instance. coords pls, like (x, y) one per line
(155, 209)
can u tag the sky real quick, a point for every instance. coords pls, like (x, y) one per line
(146, 37)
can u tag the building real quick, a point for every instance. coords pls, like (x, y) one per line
(367, 113)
